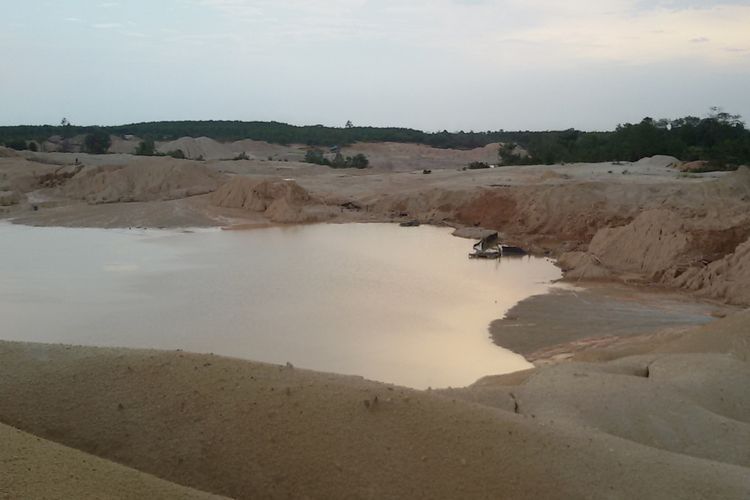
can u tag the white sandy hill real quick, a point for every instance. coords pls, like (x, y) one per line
(405, 156)
(155, 179)
(386, 155)
(652, 426)
(210, 149)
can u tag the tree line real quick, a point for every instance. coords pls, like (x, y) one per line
(720, 138)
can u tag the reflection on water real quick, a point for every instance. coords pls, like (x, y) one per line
(402, 305)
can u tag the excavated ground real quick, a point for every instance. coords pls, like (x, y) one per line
(644, 415)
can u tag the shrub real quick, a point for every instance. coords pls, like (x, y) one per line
(316, 157)
(178, 153)
(476, 165)
(146, 148)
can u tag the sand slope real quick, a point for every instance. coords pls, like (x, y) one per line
(164, 179)
(34, 468)
(251, 430)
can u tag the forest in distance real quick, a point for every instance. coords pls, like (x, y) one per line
(720, 138)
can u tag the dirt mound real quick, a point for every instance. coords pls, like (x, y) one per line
(279, 200)
(158, 179)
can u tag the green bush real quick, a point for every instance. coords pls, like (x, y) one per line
(18, 145)
(97, 142)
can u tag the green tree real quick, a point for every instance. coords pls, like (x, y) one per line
(97, 142)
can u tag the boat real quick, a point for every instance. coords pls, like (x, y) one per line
(490, 247)
(487, 248)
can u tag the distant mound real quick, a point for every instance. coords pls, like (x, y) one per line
(165, 179)
(210, 149)
(8, 153)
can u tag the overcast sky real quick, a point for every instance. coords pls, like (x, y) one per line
(429, 64)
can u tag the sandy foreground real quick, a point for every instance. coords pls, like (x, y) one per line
(649, 414)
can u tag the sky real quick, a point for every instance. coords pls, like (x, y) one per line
(427, 64)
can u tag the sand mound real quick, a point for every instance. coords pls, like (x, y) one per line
(658, 161)
(250, 430)
(8, 153)
(162, 179)
(279, 200)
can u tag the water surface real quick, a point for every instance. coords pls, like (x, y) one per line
(401, 305)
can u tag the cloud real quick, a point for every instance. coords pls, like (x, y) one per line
(549, 30)
(106, 26)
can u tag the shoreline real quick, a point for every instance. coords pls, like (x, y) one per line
(557, 344)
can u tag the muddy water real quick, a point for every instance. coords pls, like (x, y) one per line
(401, 305)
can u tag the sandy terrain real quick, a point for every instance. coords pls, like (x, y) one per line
(249, 430)
(656, 410)
(550, 326)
